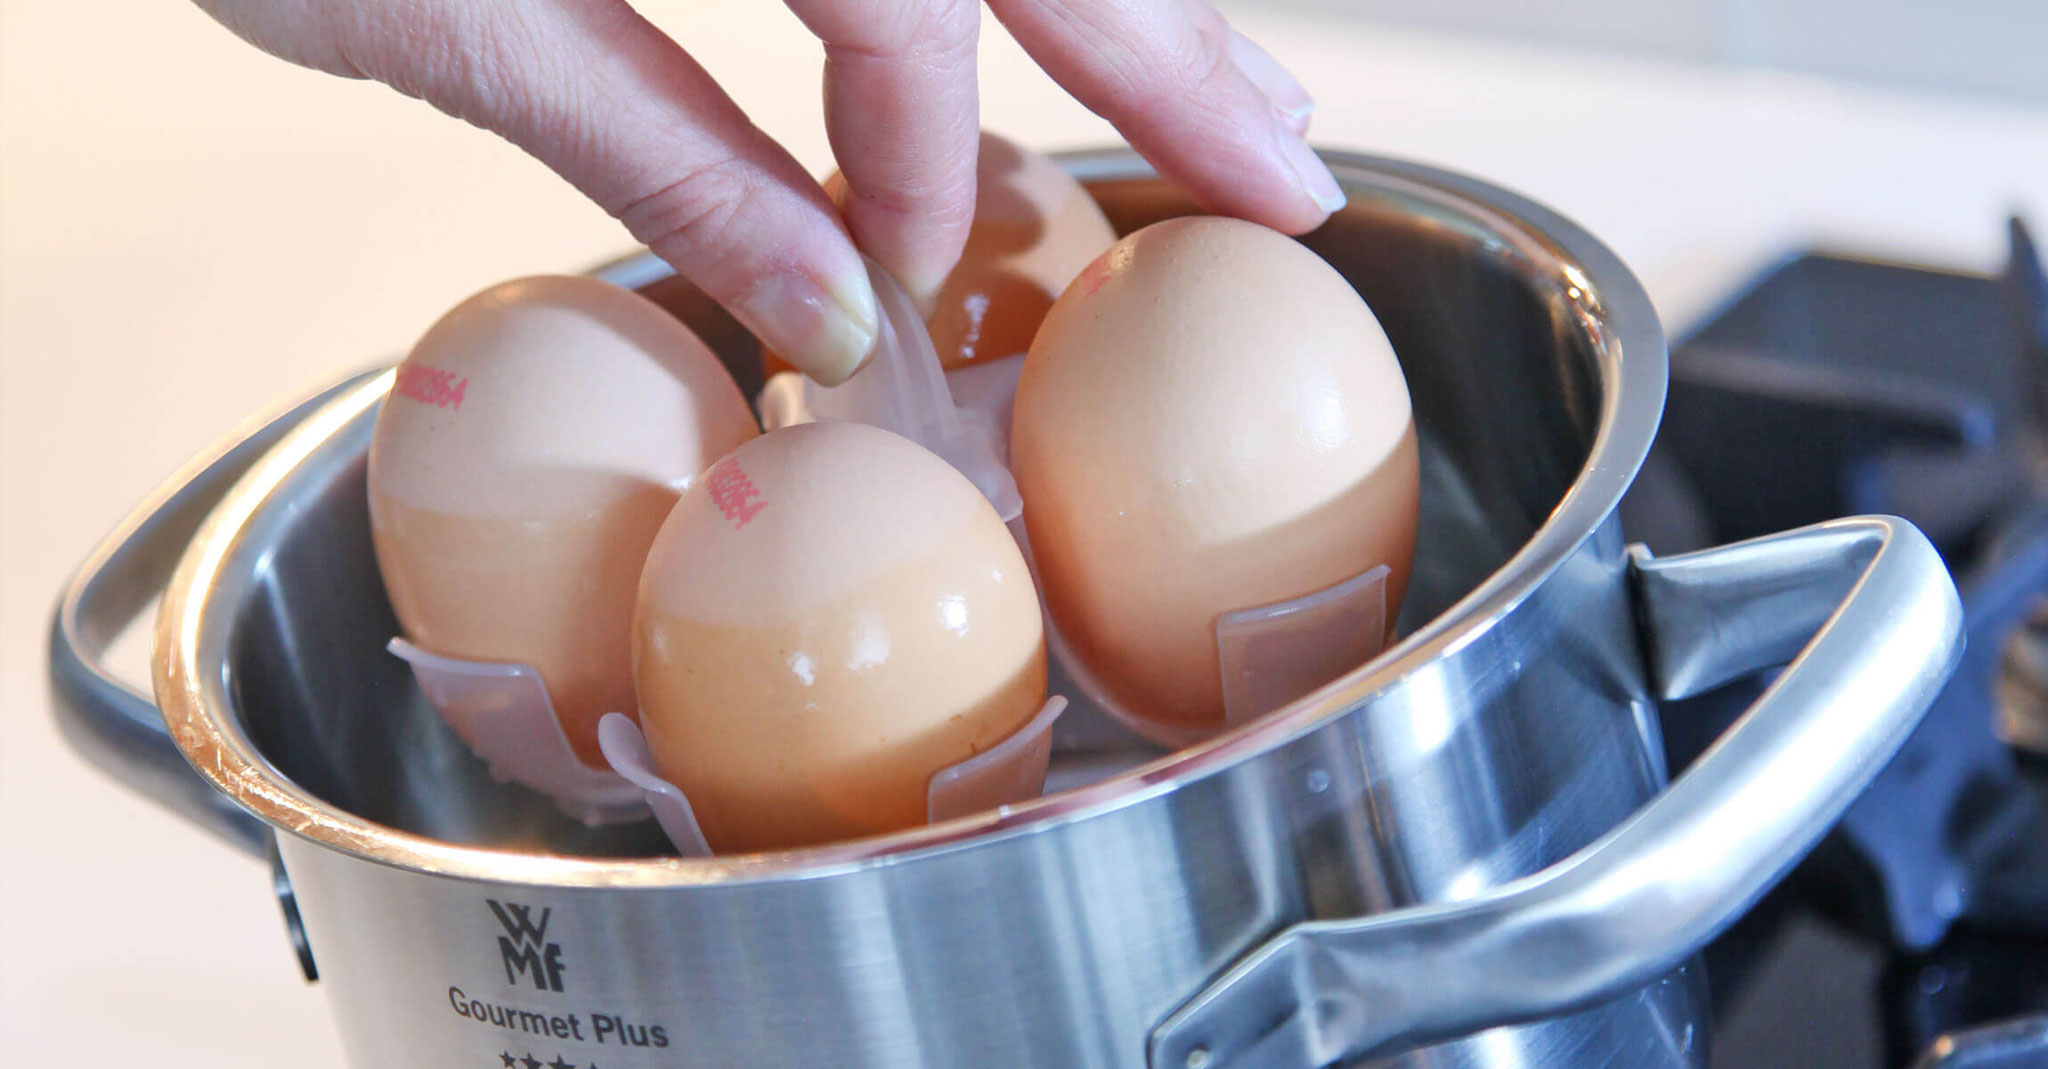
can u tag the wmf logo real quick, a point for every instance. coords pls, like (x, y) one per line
(524, 945)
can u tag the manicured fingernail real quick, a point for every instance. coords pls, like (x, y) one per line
(1289, 97)
(827, 331)
(1316, 180)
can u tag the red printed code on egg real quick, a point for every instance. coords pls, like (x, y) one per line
(431, 385)
(735, 495)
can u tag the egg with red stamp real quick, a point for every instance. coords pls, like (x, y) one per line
(1210, 420)
(829, 618)
(533, 442)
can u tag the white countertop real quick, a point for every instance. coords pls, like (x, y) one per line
(189, 230)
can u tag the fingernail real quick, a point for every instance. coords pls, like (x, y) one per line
(1316, 179)
(924, 288)
(1288, 95)
(827, 331)
(1298, 124)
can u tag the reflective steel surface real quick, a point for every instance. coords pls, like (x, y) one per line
(451, 916)
(1650, 892)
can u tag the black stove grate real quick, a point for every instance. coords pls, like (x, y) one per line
(1917, 935)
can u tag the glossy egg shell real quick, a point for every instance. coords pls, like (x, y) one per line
(1210, 419)
(534, 440)
(830, 617)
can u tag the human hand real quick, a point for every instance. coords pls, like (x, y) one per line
(613, 105)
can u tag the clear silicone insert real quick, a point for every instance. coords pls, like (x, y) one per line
(983, 393)
(1009, 772)
(1273, 654)
(1269, 655)
(503, 714)
(903, 388)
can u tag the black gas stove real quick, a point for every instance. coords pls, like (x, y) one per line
(1917, 934)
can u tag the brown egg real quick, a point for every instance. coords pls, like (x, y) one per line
(1210, 419)
(1034, 229)
(830, 617)
(534, 441)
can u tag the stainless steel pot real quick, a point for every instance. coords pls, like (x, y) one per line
(1462, 854)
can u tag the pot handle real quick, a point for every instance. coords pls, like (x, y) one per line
(110, 723)
(1640, 900)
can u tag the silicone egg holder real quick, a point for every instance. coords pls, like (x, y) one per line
(1269, 655)
(904, 389)
(1010, 771)
(1266, 653)
(505, 716)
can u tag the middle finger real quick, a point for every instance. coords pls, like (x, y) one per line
(903, 115)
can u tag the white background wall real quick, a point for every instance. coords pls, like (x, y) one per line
(1996, 47)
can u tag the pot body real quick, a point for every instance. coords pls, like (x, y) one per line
(1485, 766)
(1484, 763)
(1463, 854)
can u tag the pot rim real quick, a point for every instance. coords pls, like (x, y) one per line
(1609, 302)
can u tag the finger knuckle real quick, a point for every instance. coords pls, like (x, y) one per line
(1184, 73)
(698, 217)
(1197, 68)
(943, 205)
(948, 28)
(1186, 84)
(470, 63)
(908, 29)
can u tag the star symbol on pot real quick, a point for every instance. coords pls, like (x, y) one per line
(558, 1063)
(530, 1062)
(510, 1061)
